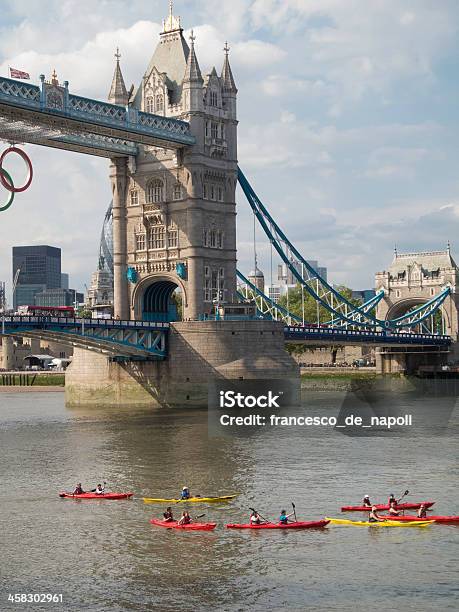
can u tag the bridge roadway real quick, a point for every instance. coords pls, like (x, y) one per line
(148, 339)
(49, 115)
(125, 339)
(328, 335)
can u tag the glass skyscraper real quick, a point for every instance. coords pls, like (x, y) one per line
(101, 290)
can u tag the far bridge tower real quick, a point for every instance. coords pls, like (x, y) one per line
(413, 279)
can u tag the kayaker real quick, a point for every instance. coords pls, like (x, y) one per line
(284, 517)
(185, 519)
(422, 512)
(374, 517)
(185, 494)
(99, 490)
(392, 508)
(78, 489)
(255, 519)
(168, 516)
(391, 499)
(366, 501)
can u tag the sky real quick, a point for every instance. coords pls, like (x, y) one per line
(348, 121)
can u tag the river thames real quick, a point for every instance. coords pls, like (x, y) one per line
(104, 555)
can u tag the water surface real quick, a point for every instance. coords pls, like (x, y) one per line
(106, 556)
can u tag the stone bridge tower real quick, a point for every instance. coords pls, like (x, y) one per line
(413, 279)
(174, 226)
(174, 211)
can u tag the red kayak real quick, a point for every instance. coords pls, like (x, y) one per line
(297, 525)
(97, 496)
(404, 506)
(437, 519)
(189, 526)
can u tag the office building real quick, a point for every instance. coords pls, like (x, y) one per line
(286, 277)
(100, 292)
(39, 269)
(58, 297)
(64, 280)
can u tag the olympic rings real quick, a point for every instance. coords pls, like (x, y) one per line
(4, 173)
(4, 182)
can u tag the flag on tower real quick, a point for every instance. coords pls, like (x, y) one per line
(18, 74)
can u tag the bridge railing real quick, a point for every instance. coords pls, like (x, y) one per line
(72, 321)
(57, 100)
(292, 331)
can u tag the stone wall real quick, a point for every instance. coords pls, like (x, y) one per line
(344, 354)
(198, 351)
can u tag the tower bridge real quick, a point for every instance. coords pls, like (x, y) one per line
(172, 145)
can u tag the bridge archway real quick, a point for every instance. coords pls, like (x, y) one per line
(440, 321)
(159, 299)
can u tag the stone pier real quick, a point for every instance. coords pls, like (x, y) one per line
(198, 351)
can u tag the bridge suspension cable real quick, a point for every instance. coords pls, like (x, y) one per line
(343, 312)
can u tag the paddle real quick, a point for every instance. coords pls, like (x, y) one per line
(404, 495)
(262, 517)
(294, 512)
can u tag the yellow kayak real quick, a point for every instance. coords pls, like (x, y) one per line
(380, 524)
(208, 500)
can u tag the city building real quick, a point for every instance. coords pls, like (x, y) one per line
(2, 296)
(64, 281)
(100, 293)
(257, 278)
(59, 297)
(286, 277)
(38, 268)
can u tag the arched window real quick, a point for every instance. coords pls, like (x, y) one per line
(155, 192)
(159, 102)
(150, 105)
(213, 98)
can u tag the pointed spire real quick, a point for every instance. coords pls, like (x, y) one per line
(118, 92)
(227, 76)
(192, 70)
(171, 23)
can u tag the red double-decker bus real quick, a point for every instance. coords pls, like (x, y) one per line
(47, 311)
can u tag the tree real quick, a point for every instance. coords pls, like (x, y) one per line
(313, 312)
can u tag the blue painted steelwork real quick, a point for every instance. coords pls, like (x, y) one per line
(357, 336)
(269, 309)
(49, 114)
(266, 307)
(110, 336)
(366, 307)
(324, 293)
